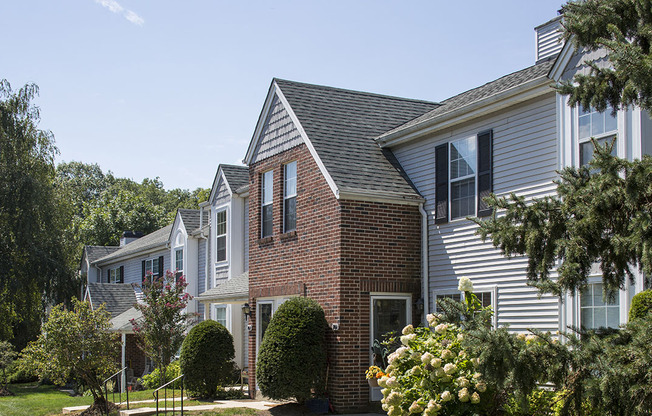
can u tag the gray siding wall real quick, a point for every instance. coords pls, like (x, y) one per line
(133, 266)
(201, 274)
(525, 159)
(279, 133)
(577, 64)
(222, 196)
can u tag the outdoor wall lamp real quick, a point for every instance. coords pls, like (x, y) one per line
(246, 309)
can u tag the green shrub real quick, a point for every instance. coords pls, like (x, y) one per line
(153, 379)
(641, 305)
(292, 358)
(206, 358)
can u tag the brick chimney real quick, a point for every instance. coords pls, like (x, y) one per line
(129, 236)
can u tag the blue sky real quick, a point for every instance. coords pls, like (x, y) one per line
(150, 88)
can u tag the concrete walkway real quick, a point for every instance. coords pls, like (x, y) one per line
(224, 404)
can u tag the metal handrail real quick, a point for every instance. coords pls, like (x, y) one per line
(106, 394)
(165, 397)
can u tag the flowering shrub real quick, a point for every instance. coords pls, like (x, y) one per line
(432, 374)
(374, 372)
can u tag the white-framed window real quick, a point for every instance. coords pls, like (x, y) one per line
(220, 233)
(220, 315)
(290, 197)
(115, 275)
(267, 200)
(597, 312)
(265, 309)
(602, 126)
(151, 265)
(178, 260)
(486, 295)
(463, 161)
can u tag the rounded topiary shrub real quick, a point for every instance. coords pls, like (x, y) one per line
(292, 357)
(206, 356)
(641, 305)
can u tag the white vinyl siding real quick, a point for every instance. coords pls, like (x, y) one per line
(524, 161)
(133, 267)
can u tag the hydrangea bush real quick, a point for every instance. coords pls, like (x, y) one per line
(432, 373)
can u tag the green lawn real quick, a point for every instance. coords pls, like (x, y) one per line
(34, 400)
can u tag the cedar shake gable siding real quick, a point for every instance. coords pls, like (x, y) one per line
(341, 251)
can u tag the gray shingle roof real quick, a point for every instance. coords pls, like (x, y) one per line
(152, 240)
(116, 297)
(96, 252)
(190, 219)
(476, 94)
(236, 176)
(342, 124)
(234, 288)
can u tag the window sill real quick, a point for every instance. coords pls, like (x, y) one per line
(289, 235)
(265, 240)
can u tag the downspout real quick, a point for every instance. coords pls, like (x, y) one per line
(202, 207)
(424, 260)
(123, 381)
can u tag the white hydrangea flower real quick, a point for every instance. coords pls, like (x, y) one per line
(415, 355)
(435, 362)
(475, 398)
(408, 330)
(462, 382)
(446, 396)
(476, 376)
(416, 370)
(407, 338)
(426, 358)
(465, 284)
(441, 328)
(481, 387)
(432, 319)
(530, 338)
(382, 382)
(521, 336)
(394, 398)
(450, 368)
(402, 351)
(464, 395)
(460, 337)
(391, 382)
(447, 354)
(394, 411)
(415, 407)
(385, 407)
(462, 354)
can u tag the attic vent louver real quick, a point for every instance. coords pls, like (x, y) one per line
(548, 39)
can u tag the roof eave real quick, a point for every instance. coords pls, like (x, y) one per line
(380, 196)
(528, 90)
(102, 261)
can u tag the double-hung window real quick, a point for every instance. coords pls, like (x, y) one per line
(267, 203)
(603, 127)
(290, 197)
(178, 260)
(116, 275)
(152, 266)
(596, 312)
(463, 176)
(220, 232)
(219, 314)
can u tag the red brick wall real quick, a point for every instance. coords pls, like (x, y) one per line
(342, 251)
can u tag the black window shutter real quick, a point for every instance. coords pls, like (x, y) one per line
(441, 183)
(143, 269)
(122, 274)
(108, 276)
(160, 266)
(485, 168)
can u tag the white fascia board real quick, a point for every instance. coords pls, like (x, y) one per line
(216, 182)
(562, 60)
(491, 104)
(306, 140)
(253, 144)
(379, 196)
(162, 246)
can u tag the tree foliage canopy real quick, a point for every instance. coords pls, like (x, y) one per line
(601, 214)
(75, 344)
(624, 29)
(33, 266)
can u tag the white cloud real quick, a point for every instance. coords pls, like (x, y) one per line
(112, 5)
(134, 18)
(115, 7)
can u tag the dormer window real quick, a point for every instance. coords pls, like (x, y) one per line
(600, 125)
(178, 260)
(290, 197)
(220, 232)
(267, 199)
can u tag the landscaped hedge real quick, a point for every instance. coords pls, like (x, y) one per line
(292, 359)
(206, 358)
(641, 305)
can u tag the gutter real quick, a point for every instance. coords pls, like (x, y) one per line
(380, 196)
(424, 261)
(493, 103)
